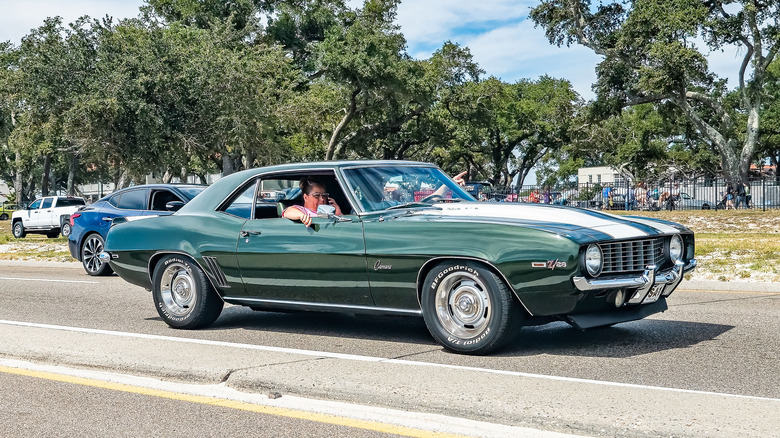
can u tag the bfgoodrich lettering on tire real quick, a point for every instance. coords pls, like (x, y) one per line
(468, 309)
(183, 296)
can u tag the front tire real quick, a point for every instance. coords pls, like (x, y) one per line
(91, 247)
(18, 230)
(468, 309)
(183, 296)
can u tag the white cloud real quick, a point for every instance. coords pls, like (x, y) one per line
(427, 21)
(19, 17)
(522, 51)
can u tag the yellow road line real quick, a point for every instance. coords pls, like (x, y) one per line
(233, 404)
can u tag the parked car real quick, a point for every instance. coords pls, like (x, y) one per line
(7, 210)
(90, 224)
(475, 272)
(480, 190)
(49, 215)
(688, 202)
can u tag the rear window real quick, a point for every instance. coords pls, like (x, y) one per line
(47, 202)
(68, 202)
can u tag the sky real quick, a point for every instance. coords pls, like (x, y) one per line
(499, 34)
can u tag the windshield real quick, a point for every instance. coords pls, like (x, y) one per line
(383, 187)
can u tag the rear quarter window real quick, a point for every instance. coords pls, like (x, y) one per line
(132, 200)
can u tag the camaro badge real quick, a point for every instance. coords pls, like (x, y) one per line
(378, 265)
(550, 264)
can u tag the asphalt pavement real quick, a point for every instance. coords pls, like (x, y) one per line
(706, 367)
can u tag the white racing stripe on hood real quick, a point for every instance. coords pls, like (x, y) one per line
(666, 229)
(616, 229)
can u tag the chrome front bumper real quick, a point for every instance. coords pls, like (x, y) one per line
(651, 282)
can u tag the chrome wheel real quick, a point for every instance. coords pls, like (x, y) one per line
(66, 229)
(89, 253)
(178, 290)
(463, 305)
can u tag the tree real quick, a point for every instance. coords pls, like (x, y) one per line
(651, 56)
(503, 130)
(49, 75)
(368, 60)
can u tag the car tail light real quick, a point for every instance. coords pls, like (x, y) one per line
(73, 216)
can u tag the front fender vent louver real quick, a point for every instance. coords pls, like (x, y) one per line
(215, 272)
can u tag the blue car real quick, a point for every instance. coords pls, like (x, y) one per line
(90, 224)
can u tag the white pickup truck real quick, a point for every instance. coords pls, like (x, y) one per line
(49, 216)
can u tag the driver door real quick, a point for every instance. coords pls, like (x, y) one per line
(282, 260)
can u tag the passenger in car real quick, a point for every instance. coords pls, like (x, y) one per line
(314, 195)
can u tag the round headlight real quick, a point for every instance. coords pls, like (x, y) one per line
(676, 248)
(593, 260)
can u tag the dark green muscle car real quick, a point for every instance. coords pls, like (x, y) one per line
(399, 238)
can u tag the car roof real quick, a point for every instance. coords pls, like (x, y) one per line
(153, 186)
(223, 187)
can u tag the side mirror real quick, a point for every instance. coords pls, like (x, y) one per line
(326, 211)
(174, 205)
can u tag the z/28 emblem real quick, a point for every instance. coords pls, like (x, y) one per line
(549, 264)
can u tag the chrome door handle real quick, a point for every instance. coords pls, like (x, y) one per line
(249, 233)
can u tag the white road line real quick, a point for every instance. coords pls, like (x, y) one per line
(331, 355)
(49, 280)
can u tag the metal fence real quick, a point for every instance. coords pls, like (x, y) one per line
(693, 194)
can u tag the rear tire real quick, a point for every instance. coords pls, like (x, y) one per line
(468, 309)
(183, 296)
(18, 230)
(66, 228)
(91, 247)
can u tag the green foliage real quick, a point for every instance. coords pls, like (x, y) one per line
(199, 86)
(651, 55)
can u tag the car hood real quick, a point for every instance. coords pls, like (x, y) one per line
(596, 224)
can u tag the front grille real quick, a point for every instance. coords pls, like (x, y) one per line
(633, 255)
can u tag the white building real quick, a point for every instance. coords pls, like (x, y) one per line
(599, 175)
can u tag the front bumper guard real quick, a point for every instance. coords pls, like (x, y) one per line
(650, 282)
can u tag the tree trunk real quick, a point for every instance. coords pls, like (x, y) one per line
(72, 164)
(350, 113)
(18, 183)
(122, 180)
(45, 177)
(228, 166)
(30, 190)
